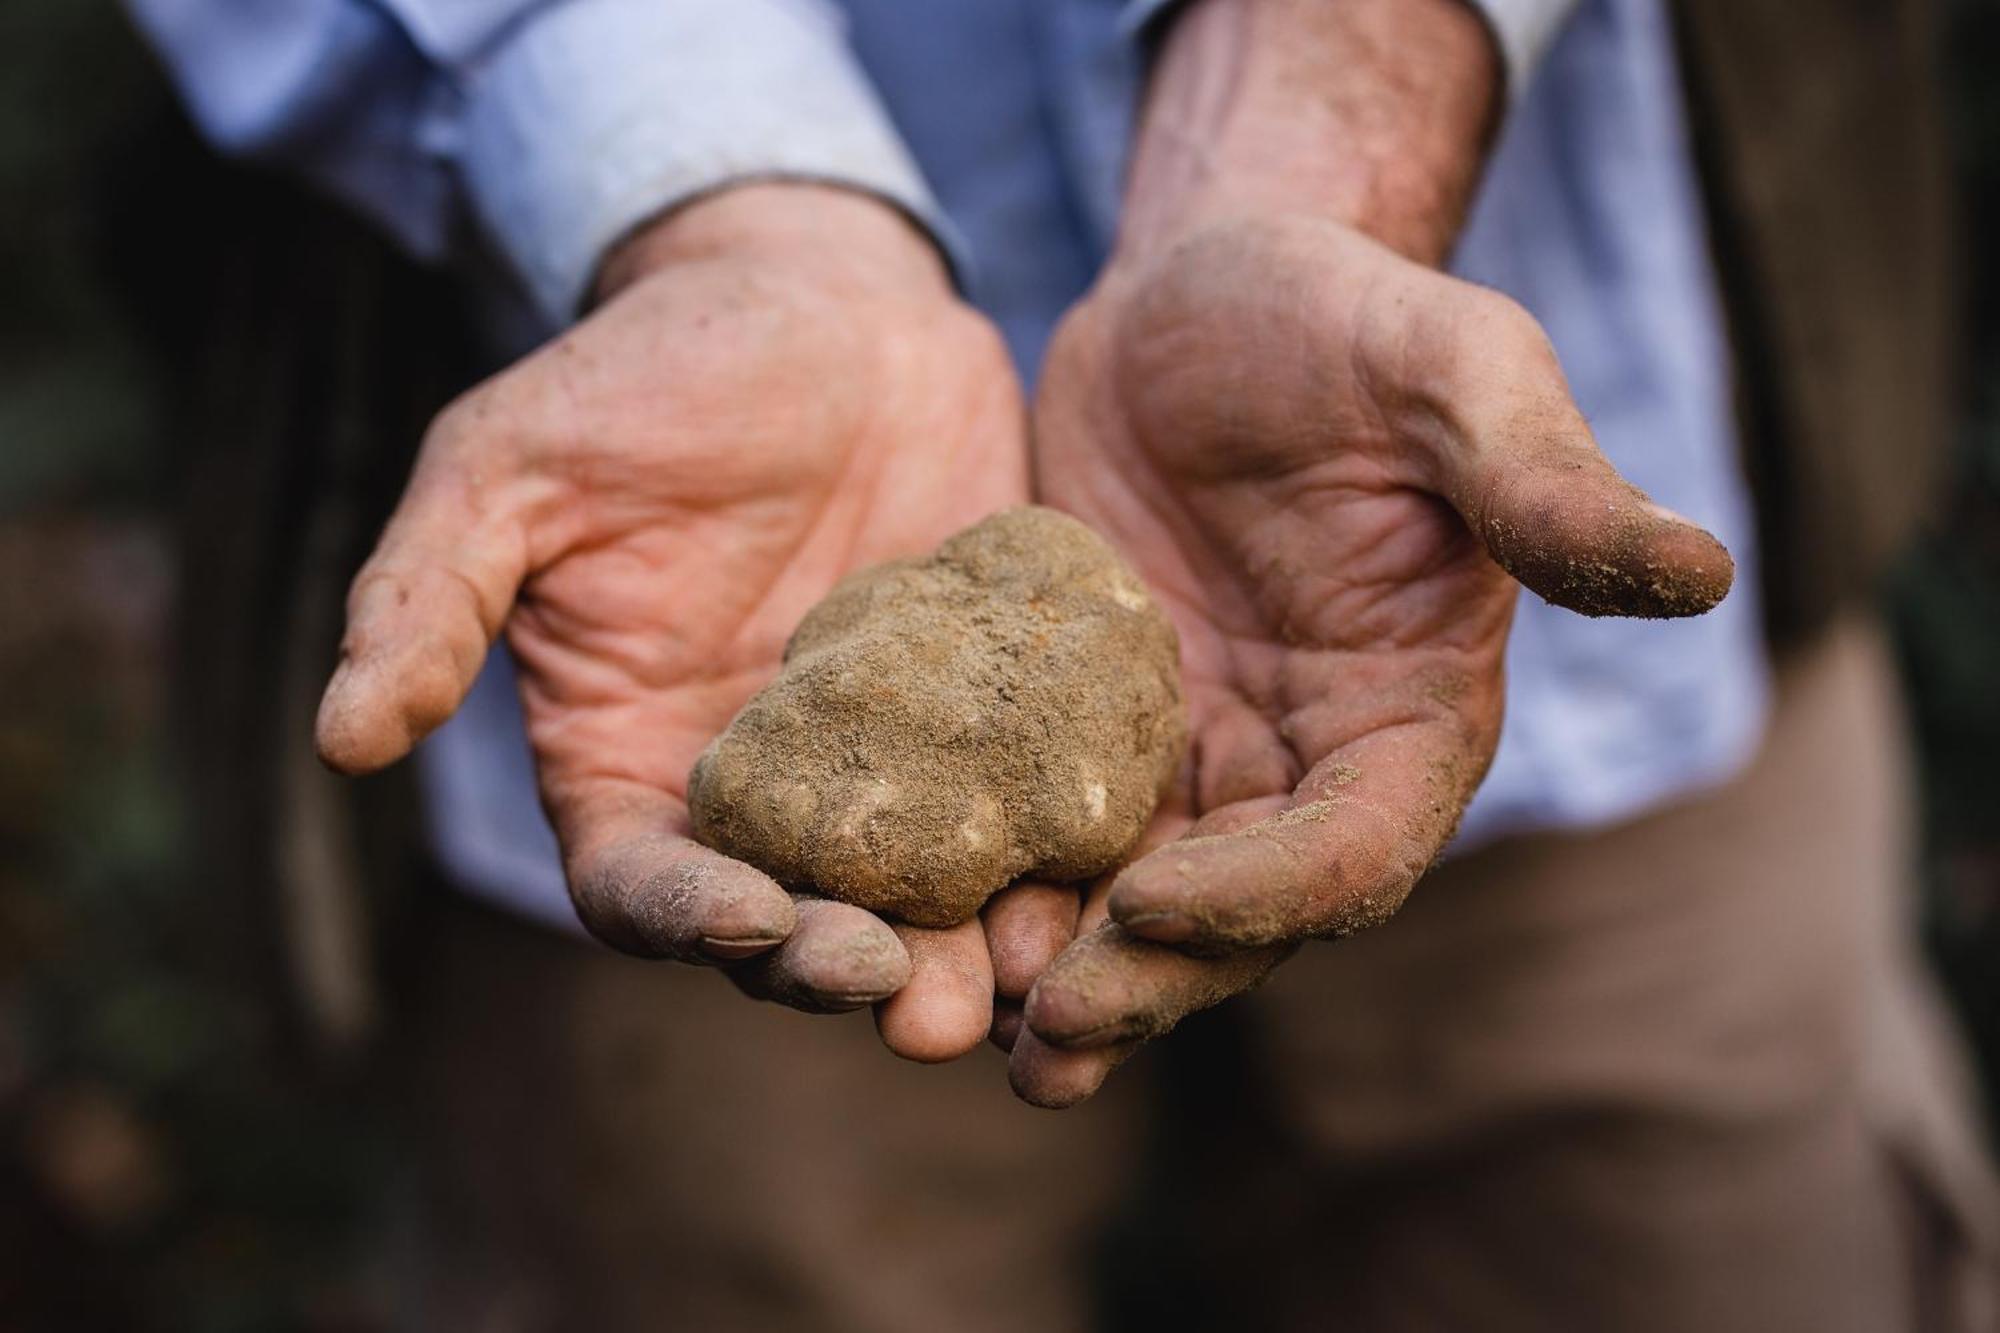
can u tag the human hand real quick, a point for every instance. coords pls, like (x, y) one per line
(778, 386)
(1327, 458)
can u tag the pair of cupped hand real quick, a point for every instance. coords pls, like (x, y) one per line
(1325, 459)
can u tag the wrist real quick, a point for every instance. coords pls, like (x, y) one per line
(1372, 113)
(843, 233)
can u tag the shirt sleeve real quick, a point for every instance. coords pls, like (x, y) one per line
(553, 127)
(1522, 29)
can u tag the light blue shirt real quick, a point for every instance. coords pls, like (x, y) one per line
(541, 132)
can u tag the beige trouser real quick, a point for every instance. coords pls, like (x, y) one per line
(1681, 1075)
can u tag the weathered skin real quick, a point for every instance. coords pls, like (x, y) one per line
(943, 726)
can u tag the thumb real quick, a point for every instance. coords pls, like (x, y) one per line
(1526, 475)
(420, 617)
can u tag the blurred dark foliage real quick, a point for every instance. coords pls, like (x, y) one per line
(180, 1146)
(185, 373)
(1944, 600)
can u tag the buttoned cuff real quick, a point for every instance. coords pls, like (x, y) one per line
(1522, 29)
(595, 116)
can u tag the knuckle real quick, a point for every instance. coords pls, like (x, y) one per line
(1506, 328)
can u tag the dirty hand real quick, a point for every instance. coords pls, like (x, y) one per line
(777, 387)
(1327, 458)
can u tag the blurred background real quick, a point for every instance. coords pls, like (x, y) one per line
(197, 926)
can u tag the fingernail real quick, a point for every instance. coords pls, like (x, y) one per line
(1160, 927)
(730, 951)
(1118, 1030)
(851, 999)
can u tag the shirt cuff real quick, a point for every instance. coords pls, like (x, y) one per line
(1522, 29)
(597, 115)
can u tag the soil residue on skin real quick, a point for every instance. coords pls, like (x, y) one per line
(1640, 564)
(943, 726)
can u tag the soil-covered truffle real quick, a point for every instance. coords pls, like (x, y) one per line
(1008, 706)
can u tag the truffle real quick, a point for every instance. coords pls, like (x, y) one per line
(941, 726)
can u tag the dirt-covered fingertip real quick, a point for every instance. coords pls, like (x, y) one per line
(1086, 998)
(1028, 925)
(712, 900)
(946, 1010)
(1152, 897)
(1208, 895)
(1055, 1080)
(1688, 569)
(839, 958)
(1008, 1025)
(928, 1030)
(353, 733)
(1599, 547)
(666, 897)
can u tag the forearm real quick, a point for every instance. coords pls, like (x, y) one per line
(1376, 113)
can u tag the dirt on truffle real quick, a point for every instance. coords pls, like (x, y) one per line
(1008, 706)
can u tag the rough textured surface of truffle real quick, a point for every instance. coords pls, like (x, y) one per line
(1008, 706)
